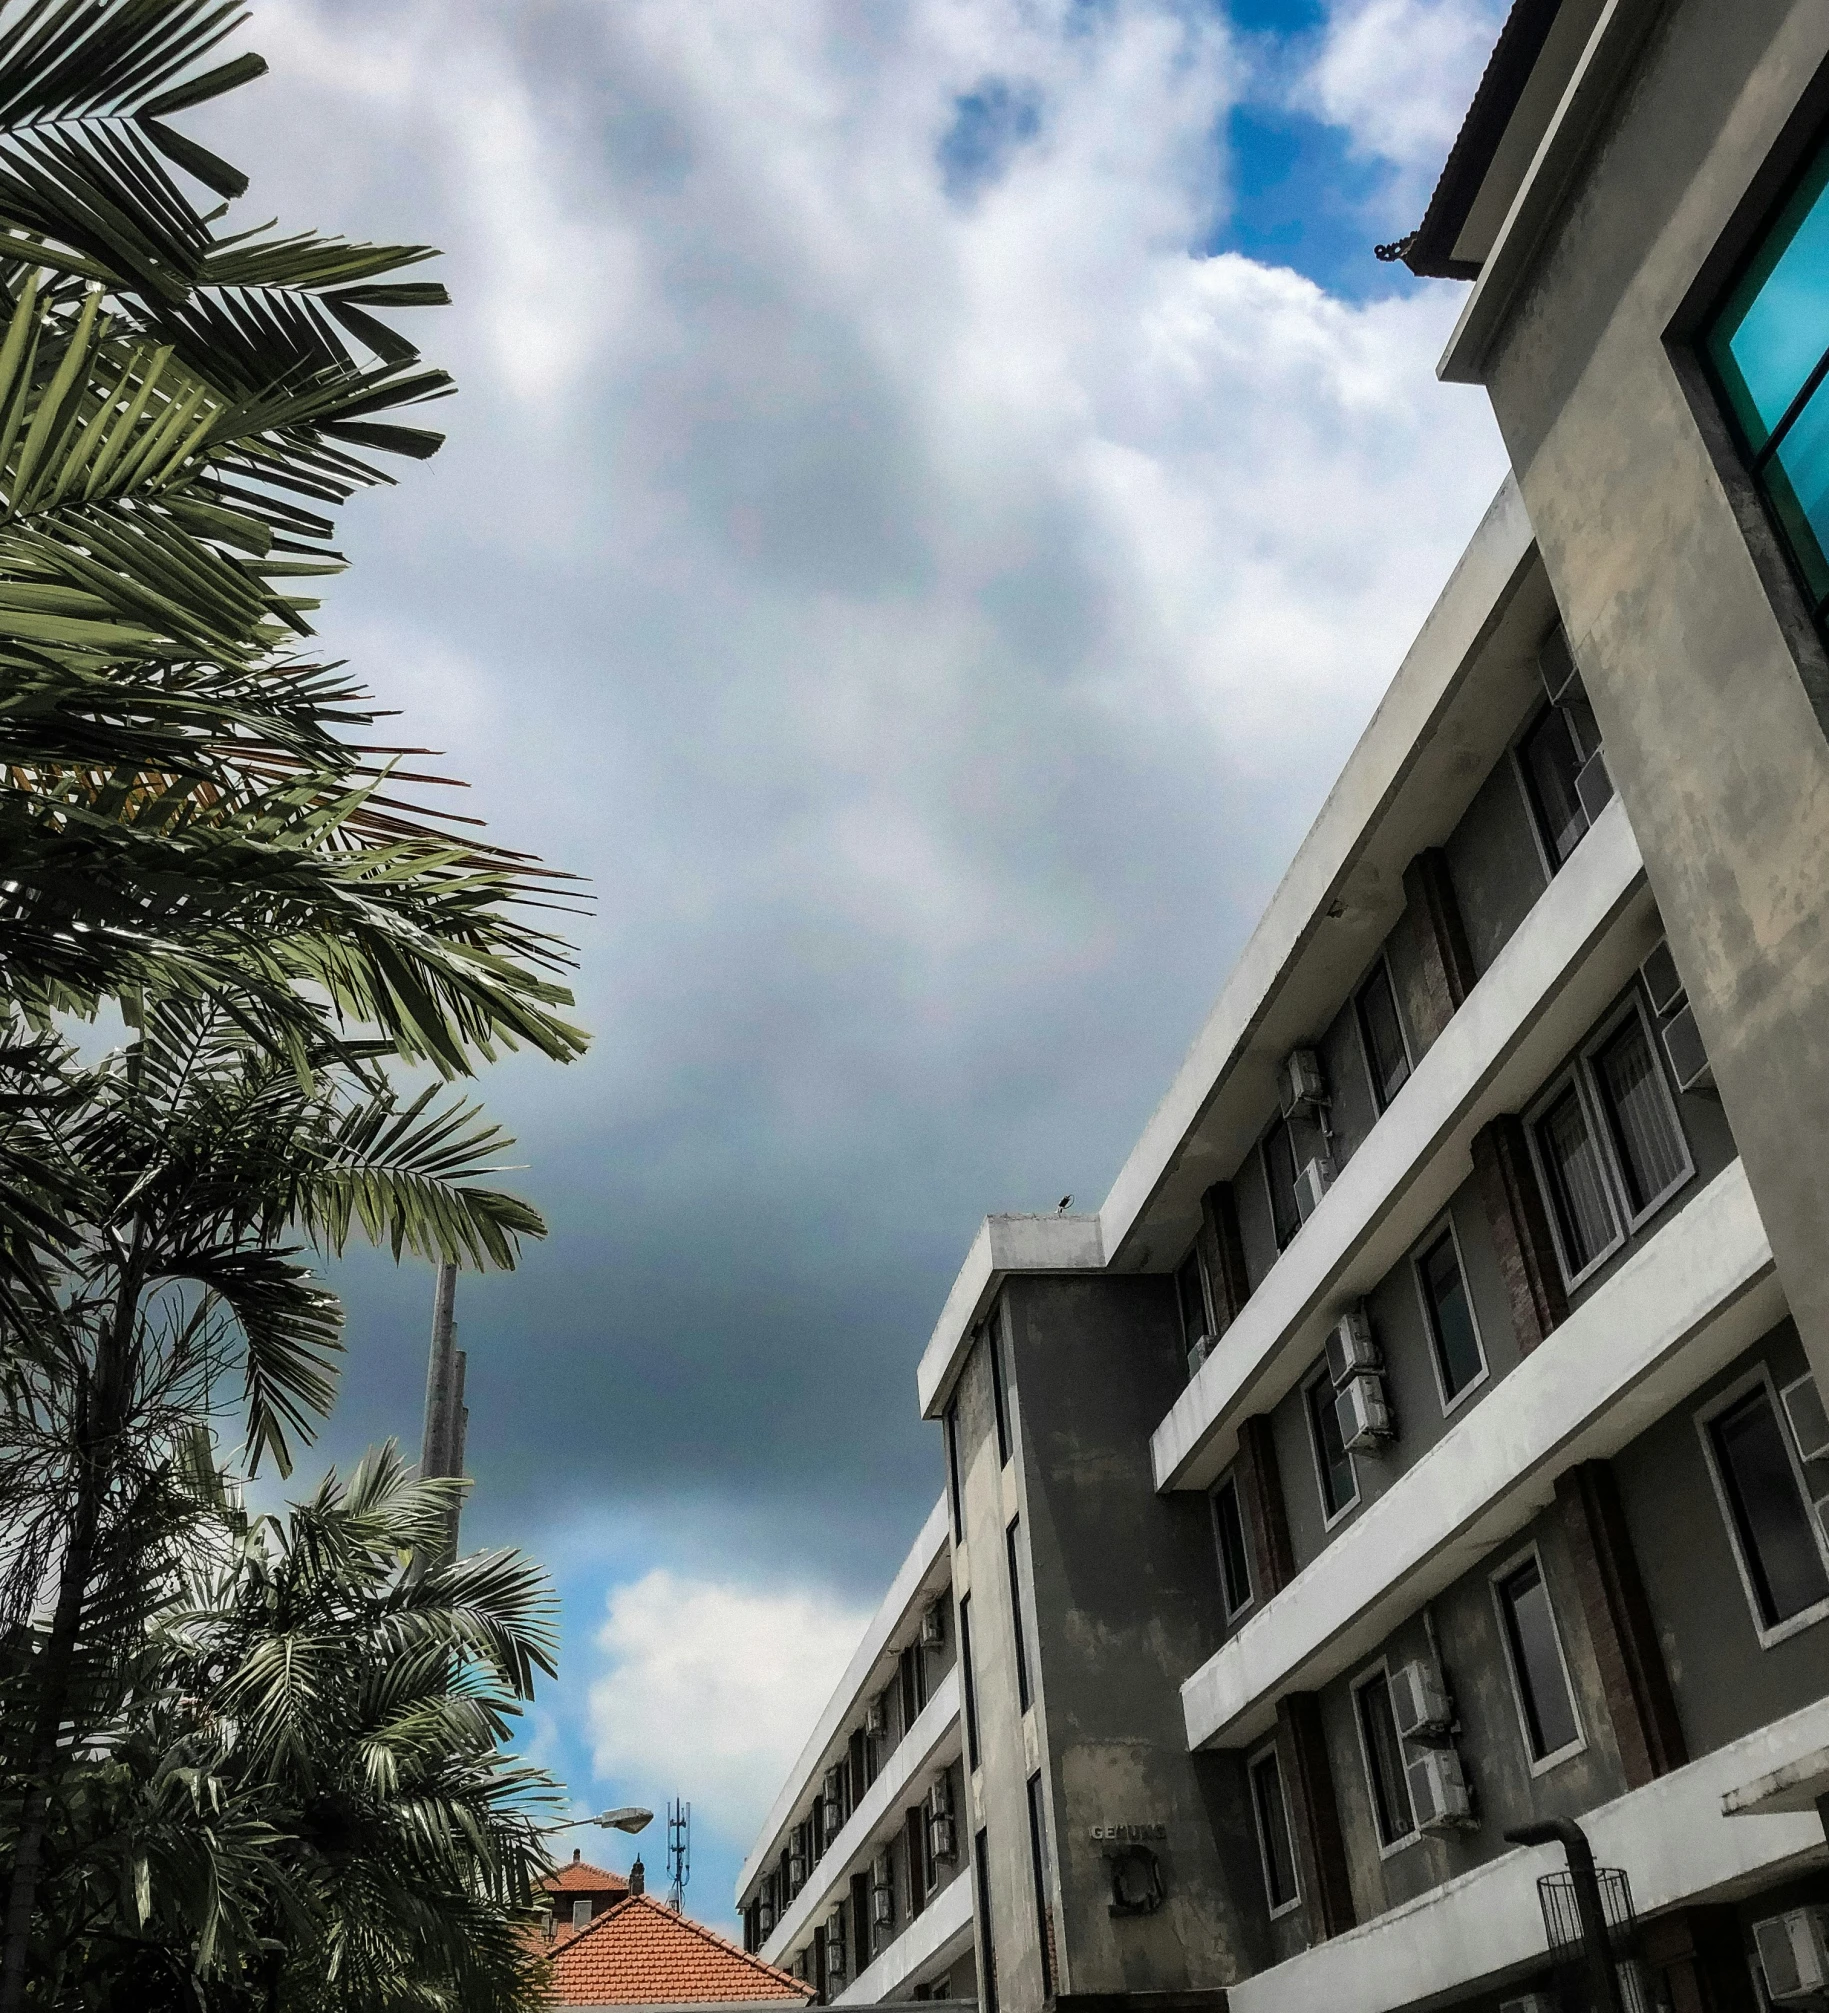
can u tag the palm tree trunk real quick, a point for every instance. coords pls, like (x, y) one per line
(97, 1426)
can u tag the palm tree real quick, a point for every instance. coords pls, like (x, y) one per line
(195, 1154)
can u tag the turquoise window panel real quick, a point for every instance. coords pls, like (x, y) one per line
(1767, 349)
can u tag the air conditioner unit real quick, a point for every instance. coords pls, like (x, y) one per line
(1688, 1058)
(1659, 972)
(1300, 1086)
(1438, 1791)
(933, 1626)
(942, 1834)
(1593, 785)
(1316, 1178)
(1419, 1701)
(1556, 665)
(1794, 1954)
(1350, 1347)
(1364, 1414)
(876, 1717)
(835, 1943)
(797, 1869)
(882, 1892)
(1530, 2002)
(765, 1918)
(832, 1813)
(1809, 1420)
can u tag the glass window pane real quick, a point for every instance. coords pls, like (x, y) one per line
(1770, 1514)
(1797, 482)
(1638, 1110)
(1273, 1830)
(1234, 1561)
(1530, 1626)
(1384, 1039)
(1280, 1174)
(1578, 1186)
(1339, 1484)
(1019, 1605)
(1191, 1296)
(1457, 1346)
(1384, 1753)
(1551, 765)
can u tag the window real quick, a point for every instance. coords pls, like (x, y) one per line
(1279, 1157)
(1777, 1544)
(1575, 1179)
(1387, 1055)
(1460, 1363)
(952, 1471)
(987, 1971)
(1384, 1762)
(1767, 350)
(1038, 1860)
(581, 1913)
(969, 1679)
(1234, 1559)
(1013, 1546)
(1333, 1464)
(1000, 1401)
(1642, 1128)
(1539, 1672)
(1550, 760)
(1191, 1298)
(1273, 1843)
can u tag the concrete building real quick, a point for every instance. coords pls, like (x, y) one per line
(1425, 1441)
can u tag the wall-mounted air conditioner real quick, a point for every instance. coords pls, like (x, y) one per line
(797, 1857)
(1316, 1178)
(1350, 1347)
(765, 1917)
(876, 1717)
(1794, 1954)
(1420, 1702)
(835, 1943)
(1530, 2002)
(1593, 785)
(1300, 1086)
(1556, 666)
(933, 1625)
(1662, 985)
(1689, 1062)
(1804, 1408)
(942, 1834)
(1364, 1414)
(832, 1811)
(1438, 1790)
(882, 1892)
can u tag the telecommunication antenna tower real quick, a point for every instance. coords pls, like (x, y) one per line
(679, 1853)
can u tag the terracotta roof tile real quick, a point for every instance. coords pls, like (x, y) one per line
(579, 1875)
(639, 1952)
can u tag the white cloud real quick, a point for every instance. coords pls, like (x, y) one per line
(1399, 74)
(711, 1691)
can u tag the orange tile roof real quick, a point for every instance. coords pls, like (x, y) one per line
(582, 1876)
(638, 1952)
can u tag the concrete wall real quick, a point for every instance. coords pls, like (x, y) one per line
(1710, 688)
(1128, 1584)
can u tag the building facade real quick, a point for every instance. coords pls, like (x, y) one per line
(1425, 1442)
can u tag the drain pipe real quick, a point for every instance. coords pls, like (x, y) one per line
(1603, 1981)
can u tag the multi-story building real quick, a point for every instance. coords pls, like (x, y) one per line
(1425, 1442)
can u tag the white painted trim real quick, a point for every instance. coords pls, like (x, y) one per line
(1580, 943)
(1539, 1764)
(1483, 1929)
(920, 1576)
(936, 1939)
(1761, 1377)
(1676, 1312)
(930, 1744)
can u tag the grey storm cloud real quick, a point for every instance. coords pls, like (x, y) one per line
(928, 623)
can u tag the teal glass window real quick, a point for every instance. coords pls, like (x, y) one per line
(1767, 349)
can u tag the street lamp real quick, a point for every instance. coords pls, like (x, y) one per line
(628, 1817)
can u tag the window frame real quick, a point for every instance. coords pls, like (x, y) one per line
(1573, 1072)
(1281, 1242)
(1381, 963)
(1328, 1518)
(1000, 1392)
(1193, 1256)
(1430, 1238)
(1539, 1765)
(1369, 1675)
(1277, 1909)
(1705, 1416)
(968, 1685)
(1634, 1003)
(1533, 815)
(1229, 1480)
(1019, 1623)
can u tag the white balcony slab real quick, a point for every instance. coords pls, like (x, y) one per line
(1679, 1309)
(1571, 954)
(937, 1938)
(1484, 1930)
(930, 1744)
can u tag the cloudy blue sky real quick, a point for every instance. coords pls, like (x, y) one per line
(937, 488)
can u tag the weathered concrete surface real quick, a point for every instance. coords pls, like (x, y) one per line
(1711, 689)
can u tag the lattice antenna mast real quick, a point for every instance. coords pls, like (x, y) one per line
(679, 1853)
